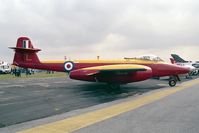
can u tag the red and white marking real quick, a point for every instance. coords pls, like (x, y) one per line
(26, 44)
(68, 66)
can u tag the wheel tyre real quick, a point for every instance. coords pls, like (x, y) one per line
(172, 83)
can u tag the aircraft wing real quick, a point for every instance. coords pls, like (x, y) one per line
(114, 69)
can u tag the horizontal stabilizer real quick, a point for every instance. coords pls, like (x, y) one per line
(25, 49)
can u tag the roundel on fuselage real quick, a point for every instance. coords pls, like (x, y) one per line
(68, 66)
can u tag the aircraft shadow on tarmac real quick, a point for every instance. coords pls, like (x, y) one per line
(105, 94)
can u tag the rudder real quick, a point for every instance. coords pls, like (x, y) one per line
(25, 52)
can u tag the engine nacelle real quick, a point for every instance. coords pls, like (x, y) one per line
(118, 77)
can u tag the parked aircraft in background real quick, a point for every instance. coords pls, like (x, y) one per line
(193, 65)
(112, 72)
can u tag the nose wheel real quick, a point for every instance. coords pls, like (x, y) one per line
(172, 83)
(173, 80)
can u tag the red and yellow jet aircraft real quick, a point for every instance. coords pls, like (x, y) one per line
(113, 72)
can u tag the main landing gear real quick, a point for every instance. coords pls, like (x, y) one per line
(114, 86)
(173, 80)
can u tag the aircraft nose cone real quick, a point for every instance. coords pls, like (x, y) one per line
(192, 68)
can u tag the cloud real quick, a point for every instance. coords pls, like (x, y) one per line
(112, 28)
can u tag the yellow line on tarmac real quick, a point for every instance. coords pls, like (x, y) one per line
(83, 120)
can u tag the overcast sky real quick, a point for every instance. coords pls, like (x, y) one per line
(109, 28)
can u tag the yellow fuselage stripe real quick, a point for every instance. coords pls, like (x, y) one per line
(83, 120)
(116, 67)
(122, 61)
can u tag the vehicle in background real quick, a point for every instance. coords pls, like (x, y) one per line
(5, 67)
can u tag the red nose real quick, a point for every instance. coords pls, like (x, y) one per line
(182, 70)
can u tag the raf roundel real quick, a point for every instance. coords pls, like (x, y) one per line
(68, 66)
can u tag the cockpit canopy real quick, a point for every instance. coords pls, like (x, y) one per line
(147, 57)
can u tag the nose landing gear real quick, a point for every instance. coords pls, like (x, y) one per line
(173, 80)
(172, 83)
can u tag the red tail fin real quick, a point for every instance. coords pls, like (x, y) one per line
(25, 52)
